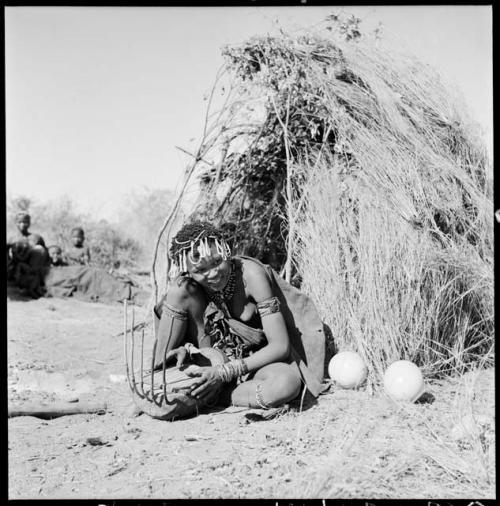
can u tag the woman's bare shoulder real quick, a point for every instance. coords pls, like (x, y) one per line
(251, 267)
(256, 279)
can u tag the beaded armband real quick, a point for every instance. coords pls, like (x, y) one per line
(268, 306)
(179, 314)
(232, 370)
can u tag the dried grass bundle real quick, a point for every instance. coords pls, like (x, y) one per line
(395, 240)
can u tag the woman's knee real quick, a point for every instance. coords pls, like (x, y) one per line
(288, 385)
(282, 386)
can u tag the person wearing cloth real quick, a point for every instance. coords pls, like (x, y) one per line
(86, 282)
(78, 253)
(27, 258)
(270, 331)
(75, 277)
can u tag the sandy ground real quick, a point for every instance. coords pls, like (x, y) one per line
(348, 444)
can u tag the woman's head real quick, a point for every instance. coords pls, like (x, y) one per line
(201, 250)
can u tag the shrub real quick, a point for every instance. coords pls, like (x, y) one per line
(141, 216)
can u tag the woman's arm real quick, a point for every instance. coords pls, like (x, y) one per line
(181, 317)
(277, 348)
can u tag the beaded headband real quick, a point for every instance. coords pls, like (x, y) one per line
(189, 248)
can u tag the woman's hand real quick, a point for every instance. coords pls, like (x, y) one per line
(209, 380)
(179, 353)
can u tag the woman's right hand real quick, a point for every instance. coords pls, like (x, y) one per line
(179, 353)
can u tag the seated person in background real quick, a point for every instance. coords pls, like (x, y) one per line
(56, 256)
(74, 277)
(78, 254)
(23, 223)
(89, 283)
(27, 258)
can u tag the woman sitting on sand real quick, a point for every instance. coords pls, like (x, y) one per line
(270, 332)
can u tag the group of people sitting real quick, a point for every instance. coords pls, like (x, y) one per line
(38, 270)
(76, 254)
(29, 259)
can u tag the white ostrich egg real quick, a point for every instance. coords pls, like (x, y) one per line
(403, 381)
(347, 369)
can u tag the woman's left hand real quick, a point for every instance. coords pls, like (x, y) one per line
(209, 380)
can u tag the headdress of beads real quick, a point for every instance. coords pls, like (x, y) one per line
(200, 244)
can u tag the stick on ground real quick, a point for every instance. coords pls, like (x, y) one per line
(56, 410)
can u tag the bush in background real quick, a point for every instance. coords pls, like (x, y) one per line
(141, 216)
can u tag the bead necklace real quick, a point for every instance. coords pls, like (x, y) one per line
(227, 292)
